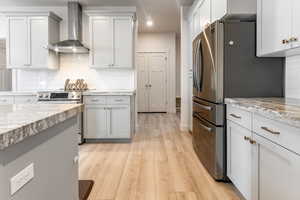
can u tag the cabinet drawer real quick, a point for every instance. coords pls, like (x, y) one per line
(94, 100)
(7, 100)
(284, 135)
(25, 99)
(118, 100)
(239, 116)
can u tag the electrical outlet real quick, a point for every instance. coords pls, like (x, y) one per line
(20, 179)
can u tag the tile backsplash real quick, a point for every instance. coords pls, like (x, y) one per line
(73, 66)
(292, 88)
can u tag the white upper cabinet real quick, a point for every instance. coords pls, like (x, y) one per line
(204, 12)
(278, 31)
(274, 26)
(101, 40)
(123, 41)
(111, 40)
(28, 36)
(295, 23)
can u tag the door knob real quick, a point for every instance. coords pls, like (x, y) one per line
(150, 85)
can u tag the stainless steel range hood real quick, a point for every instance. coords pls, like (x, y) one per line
(73, 44)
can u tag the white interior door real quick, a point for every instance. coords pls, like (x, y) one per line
(143, 97)
(152, 82)
(157, 82)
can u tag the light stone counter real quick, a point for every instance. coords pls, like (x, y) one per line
(18, 122)
(109, 93)
(280, 109)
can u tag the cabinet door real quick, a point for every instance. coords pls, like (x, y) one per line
(205, 16)
(25, 99)
(17, 43)
(239, 158)
(275, 25)
(123, 36)
(95, 122)
(296, 22)
(101, 42)
(196, 23)
(120, 122)
(38, 32)
(218, 9)
(277, 171)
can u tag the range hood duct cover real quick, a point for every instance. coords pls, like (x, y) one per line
(73, 44)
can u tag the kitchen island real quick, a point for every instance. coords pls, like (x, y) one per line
(38, 151)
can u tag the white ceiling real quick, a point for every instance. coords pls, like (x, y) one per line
(164, 13)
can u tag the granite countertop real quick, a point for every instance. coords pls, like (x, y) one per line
(18, 122)
(281, 109)
(109, 92)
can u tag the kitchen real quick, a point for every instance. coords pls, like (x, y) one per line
(106, 76)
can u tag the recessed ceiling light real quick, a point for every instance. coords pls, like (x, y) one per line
(149, 23)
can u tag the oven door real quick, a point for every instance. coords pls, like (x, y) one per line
(209, 145)
(208, 64)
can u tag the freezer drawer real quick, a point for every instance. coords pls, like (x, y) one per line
(214, 113)
(209, 145)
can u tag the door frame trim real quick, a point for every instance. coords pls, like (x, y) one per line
(169, 83)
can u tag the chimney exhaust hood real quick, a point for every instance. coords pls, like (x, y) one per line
(73, 44)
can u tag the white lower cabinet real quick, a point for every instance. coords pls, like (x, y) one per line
(120, 122)
(110, 118)
(18, 99)
(95, 118)
(239, 158)
(263, 160)
(277, 171)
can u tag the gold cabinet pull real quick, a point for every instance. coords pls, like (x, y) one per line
(285, 41)
(236, 116)
(247, 138)
(293, 39)
(270, 131)
(252, 141)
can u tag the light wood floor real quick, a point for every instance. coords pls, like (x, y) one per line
(159, 164)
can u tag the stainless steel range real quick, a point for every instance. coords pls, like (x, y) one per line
(62, 97)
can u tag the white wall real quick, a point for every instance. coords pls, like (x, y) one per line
(292, 85)
(186, 115)
(72, 66)
(152, 42)
(178, 68)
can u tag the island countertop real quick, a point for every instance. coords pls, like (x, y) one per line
(280, 109)
(18, 122)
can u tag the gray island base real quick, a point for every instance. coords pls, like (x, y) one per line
(43, 163)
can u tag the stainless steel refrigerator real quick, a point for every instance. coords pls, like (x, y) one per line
(225, 66)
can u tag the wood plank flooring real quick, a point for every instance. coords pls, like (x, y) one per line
(159, 164)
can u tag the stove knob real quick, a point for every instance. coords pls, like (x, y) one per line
(46, 96)
(40, 96)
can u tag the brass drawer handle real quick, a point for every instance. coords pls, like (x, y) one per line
(236, 116)
(270, 131)
(247, 138)
(293, 39)
(285, 41)
(252, 141)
